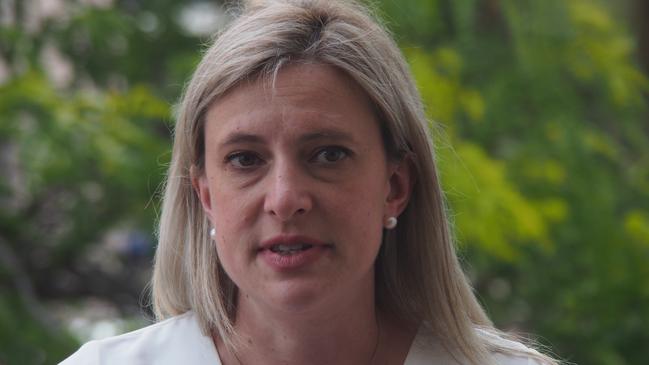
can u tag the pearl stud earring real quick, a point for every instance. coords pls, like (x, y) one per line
(391, 222)
(212, 233)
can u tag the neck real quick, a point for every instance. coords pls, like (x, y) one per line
(344, 331)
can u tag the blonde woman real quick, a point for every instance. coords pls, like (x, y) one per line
(303, 220)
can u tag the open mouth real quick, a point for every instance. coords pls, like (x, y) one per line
(287, 253)
(287, 250)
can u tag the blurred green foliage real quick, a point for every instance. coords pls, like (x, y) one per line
(540, 113)
(26, 340)
(544, 154)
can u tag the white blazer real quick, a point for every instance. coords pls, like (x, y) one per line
(179, 341)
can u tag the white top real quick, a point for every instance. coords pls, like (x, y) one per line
(179, 340)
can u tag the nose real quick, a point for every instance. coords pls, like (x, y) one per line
(287, 195)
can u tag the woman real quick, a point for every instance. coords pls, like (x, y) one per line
(303, 222)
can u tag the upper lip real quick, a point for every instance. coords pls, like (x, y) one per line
(290, 239)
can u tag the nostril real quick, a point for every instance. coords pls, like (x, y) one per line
(301, 211)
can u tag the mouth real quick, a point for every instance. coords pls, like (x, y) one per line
(291, 244)
(287, 253)
(287, 250)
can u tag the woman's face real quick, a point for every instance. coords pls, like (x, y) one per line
(298, 186)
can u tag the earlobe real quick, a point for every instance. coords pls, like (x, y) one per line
(199, 183)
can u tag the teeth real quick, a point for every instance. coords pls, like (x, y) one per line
(283, 249)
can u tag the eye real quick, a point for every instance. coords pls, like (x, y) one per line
(243, 160)
(330, 154)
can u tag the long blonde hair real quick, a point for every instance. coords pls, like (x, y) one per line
(419, 278)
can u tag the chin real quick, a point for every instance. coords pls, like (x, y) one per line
(297, 298)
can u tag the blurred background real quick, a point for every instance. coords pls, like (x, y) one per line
(541, 117)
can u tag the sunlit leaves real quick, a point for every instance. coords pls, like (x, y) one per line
(490, 212)
(439, 80)
(636, 223)
(548, 174)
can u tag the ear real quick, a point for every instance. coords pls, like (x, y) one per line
(199, 182)
(401, 182)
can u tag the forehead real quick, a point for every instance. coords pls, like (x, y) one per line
(299, 97)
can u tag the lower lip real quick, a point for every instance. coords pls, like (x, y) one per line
(293, 261)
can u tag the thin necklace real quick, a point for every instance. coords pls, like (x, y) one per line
(378, 340)
(376, 345)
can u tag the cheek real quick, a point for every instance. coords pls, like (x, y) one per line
(361, 212)
(233, 217)
(231, 207)
(231, 242)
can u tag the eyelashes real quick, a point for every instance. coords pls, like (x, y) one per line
(243, 160)
(330, 154)
(327, 156)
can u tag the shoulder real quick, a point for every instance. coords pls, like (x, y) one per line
(515, 359)
(508, 351)
(173, 341)
(427, 348)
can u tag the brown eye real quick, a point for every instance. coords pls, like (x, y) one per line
(330, 154)
(244, 160)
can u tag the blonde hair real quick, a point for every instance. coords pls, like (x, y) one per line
(419, 279)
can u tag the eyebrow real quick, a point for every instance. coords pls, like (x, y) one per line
(326, 133)
(239, 137)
